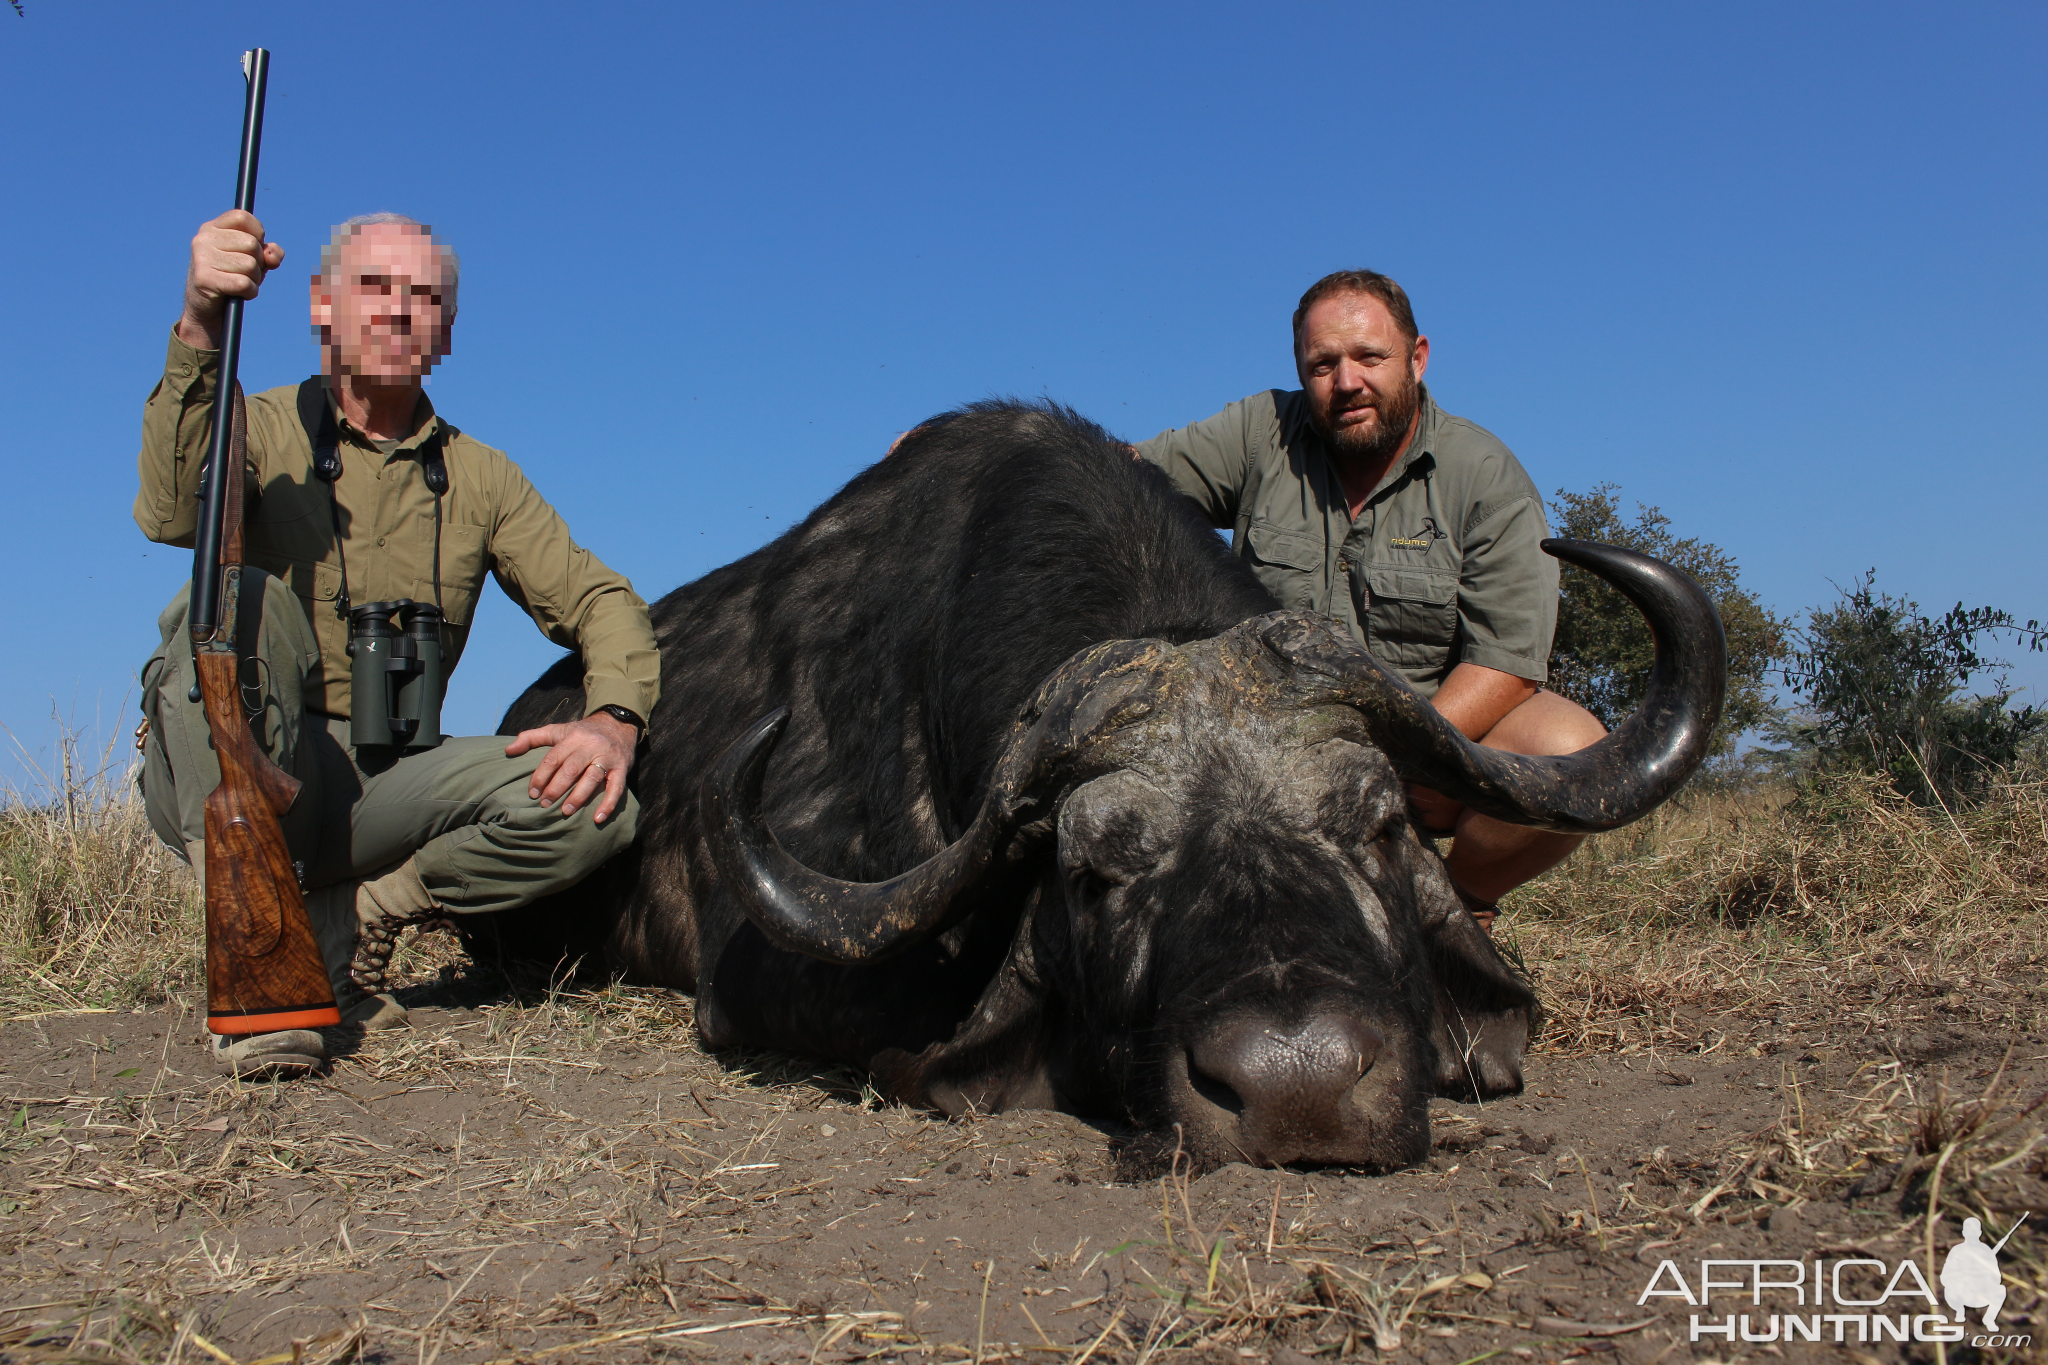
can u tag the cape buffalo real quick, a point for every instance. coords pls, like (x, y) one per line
(1000, 777)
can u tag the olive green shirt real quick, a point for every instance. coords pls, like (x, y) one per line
(1442, 565)
(492, 522)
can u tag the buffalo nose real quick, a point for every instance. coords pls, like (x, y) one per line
(1288, 1085)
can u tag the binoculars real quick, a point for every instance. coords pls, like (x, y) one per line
(394, 651)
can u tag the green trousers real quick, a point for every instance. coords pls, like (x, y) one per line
(460, 811)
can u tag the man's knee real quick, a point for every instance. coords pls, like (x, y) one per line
(606, 841)
(160, 799)
(1546, 724)
(575, 845)
(582, 846)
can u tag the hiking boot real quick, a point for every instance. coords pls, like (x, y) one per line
(358, 923)
(386, 907)
(269, 1056)
(380, 1010)
(333, 912)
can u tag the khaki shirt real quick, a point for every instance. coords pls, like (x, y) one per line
(1441, 567)
(493, 522)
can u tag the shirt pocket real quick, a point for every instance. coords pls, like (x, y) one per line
(286, 528)
(1288, 563)
(282, 502)
(1413, 615)
(463, 566)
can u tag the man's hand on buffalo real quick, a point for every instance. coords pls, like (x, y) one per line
(585, 757)
(229, 260)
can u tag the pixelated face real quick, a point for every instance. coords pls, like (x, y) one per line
(385, 304)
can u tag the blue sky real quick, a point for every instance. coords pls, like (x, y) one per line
(1776, 269)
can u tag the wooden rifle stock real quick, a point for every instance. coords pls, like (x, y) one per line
(264, 971)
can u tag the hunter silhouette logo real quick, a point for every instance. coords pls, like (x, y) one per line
(1421, 540)
(1970, 1276)
(1851, 1300)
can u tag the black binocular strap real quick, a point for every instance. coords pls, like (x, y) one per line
(436, 472)
(316, 415)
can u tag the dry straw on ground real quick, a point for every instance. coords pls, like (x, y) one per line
(1769, 906)
(1726, 921)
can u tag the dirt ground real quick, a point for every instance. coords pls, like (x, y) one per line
(566, 1175)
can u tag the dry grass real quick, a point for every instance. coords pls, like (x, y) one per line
(1732, 921)
(1847, 901)
(1764, 923)
(224, 1156)
(128, 1328)
(1748, 904)
(1224, 1290)
(1919, 1149)
(94, 911)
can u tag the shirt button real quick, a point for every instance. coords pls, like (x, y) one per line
(380, 542)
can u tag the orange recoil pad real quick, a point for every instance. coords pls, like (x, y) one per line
(325, 1016)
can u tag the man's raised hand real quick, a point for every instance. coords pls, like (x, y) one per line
(591, 755)
(229, 261)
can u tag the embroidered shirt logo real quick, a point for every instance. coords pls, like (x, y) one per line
(1421, 540)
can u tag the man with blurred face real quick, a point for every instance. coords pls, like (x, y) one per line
(1358, 497)
(384, 304)
(359, 492)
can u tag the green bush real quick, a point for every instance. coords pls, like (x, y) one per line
(1884, 690)
(1602, 654)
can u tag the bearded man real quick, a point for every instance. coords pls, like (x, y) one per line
(361, 495)
(1356, 496)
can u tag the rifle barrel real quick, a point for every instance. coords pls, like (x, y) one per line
(205, 609)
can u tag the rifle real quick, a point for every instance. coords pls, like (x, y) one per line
(264, 971)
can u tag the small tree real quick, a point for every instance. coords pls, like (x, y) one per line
(1602, 654)
(1885, 687)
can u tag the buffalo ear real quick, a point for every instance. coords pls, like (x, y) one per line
(1485, 1012)
(996, 1060)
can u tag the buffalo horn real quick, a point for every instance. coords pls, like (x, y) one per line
(854, 922)
(808, 912)
(1619, 779)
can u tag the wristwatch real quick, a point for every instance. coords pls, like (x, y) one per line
(620, 713)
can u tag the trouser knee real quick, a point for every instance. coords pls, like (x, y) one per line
(519, 852)
(592, 845)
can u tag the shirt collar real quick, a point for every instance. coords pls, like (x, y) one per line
(425, 424)
(1421, 446)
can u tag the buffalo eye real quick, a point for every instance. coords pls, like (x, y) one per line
(1379, 861)
(1088, 888)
